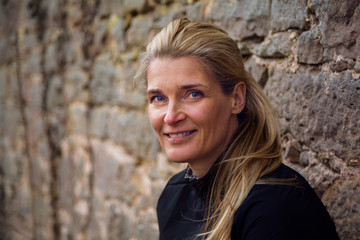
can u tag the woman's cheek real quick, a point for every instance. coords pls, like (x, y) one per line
(155, 118)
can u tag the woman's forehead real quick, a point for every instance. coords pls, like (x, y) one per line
(184, 72)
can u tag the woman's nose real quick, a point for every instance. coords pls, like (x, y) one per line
(174, 114)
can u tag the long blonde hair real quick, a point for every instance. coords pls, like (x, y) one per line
(256, 149)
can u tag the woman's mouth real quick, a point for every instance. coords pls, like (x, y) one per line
(179, 135)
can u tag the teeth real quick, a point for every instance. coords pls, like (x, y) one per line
(174, 135)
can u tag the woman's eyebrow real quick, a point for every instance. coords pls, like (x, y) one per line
(188, 86)
(193, 85)
(153, 91)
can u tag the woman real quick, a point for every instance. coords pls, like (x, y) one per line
(210, 113)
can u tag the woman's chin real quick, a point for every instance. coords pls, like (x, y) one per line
(178, 160)
(177, 157)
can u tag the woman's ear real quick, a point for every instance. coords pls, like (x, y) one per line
(239, 98)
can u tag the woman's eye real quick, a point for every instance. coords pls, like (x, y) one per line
(195, 94)
(157, 99)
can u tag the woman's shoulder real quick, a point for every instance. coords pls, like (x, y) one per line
(283, 188)
(283, 207)
(285, 172)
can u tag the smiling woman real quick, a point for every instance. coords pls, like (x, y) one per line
(209, 112)
(193, 118)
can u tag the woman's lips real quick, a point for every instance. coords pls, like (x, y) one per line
(179, 136)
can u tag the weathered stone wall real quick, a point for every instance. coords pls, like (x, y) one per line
(78, 157)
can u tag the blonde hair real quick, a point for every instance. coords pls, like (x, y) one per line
(256, 149)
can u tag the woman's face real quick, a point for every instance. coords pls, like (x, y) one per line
(193, 118)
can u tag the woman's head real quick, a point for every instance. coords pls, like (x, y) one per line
(221, 59)
(192, 116)
(188, 53)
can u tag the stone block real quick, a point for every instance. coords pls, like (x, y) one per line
(322, 110)
(113, 167)
(77, 122)
(292, 154)
(286, 14)
(304, 159)
(339, 26)
(118, 34)
(109, 7)
(10, 13)
(255, 15)
(32, 64)
(76, 81)
(70, 51)
(42, 210)
(320, 177)
(194, 12)
(103, 83)
(17, 207)
(29, 42)
(126, 72)
(244, 49)
(341, 200)
(99, 120)
(146, 227)
(12, 135)
(279, 45)
(259, 72)
(120, 222)
(242, 19)
(51, 59)
(219, 10)
(100, 35)
(309, 48)
(74, 174)
(52, 15)
(132, 129)
(54, 94)
(133, 5)
(130, 99)
(33, 93)
(357, 67)
(342, 65)
(74, 13)
(7, 51)
(138, 33)
(176, 11)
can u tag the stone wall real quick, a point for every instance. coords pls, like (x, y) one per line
(78, 157)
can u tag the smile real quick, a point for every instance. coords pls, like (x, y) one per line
(181, 134)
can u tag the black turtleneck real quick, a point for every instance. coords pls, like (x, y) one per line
(269, 211)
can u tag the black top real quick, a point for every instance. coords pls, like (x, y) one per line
(269, 211)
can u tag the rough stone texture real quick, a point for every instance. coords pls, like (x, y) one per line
(310, 50)
(344, 206)
(278, 45)
(258, 71)
(242, 19)
(287, 14)
(321, 128)
(79, 159)
(138, 33)
(339, 25)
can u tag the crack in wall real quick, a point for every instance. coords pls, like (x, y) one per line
(51, 131)
(22, 103)
(89, 13)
